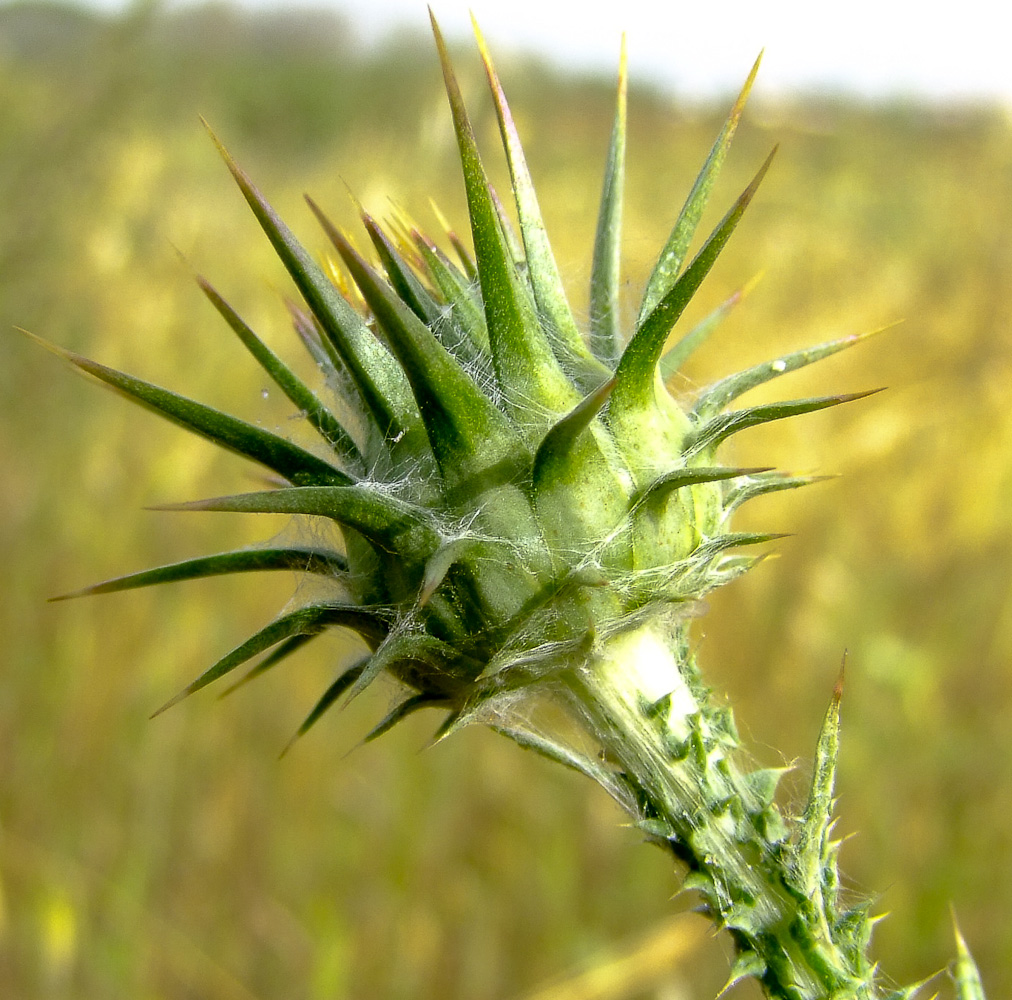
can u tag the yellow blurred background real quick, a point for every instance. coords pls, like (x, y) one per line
(179, 858)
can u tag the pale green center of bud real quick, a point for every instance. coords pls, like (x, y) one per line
(639, 667)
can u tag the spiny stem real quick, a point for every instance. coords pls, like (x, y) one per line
(770, 882)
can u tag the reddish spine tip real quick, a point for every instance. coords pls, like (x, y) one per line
(838, 687)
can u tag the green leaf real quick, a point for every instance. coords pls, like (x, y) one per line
(559, 439)
(404, 651)
(817, 818)
(718, 395)
(763, 483)
(280, 652)
(455, 720)
(402, 279)
(679, 478)
(375, 374)
(672, 256)
(328, 426)
(761, 785)
(402, 711)
(673, 359)
(527, 369)
(605, 318)
(454, 551)
(579, 488)
(320, 349)
(516, 666)
(466, 310)
(748, 965)
(637, 368)
(727, 569)
(393, 525)
(657, 831)
(466, 260)
(304, 560)
(542, 269)
(731, 540)
(909, 992)
(466, 430)
(463, 255)
(513, 245)
(288, 460)
(309, 620)
(721, 427)
(331, 695)
(560, 754)
(965, 973)
(462, 332)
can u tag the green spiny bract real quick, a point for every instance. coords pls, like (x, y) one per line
(529, 512)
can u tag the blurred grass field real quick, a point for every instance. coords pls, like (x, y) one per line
(179, 858)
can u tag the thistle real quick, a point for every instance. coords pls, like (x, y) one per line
(530, 515)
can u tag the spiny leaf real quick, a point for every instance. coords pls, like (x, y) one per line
(331, 695)
(466, 311)
(909, 992)
(320, 349)
(305, 399)
(402, 711)
(288, 460)
(466, 430)
(463, 255)
(525, 364)
(306, 560)
(637, 368)
(673, 359)
(658, 831)
(854, 928)
(605, 318)
(280, 652)
(393, 525)
(480, 707)
(673, 255)
(727, 569)
(516, 666)
(721, 427)
(733, 539)
(718, 395)
(513, 245)
(541, 267)
(679, 478)
(455, 720)
(965, 973)
(698, 881)
(376, 375)
(762, 783)
(454, 551)
(763, 483)
(403, 280)
(399, 229)
(559, 439)
(398, 651)
(818, 814)
(305, 621)
(551, 750)
(747, 965)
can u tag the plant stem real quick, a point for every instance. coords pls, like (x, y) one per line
(771, 882)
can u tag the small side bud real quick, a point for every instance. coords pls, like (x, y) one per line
(818, 815)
